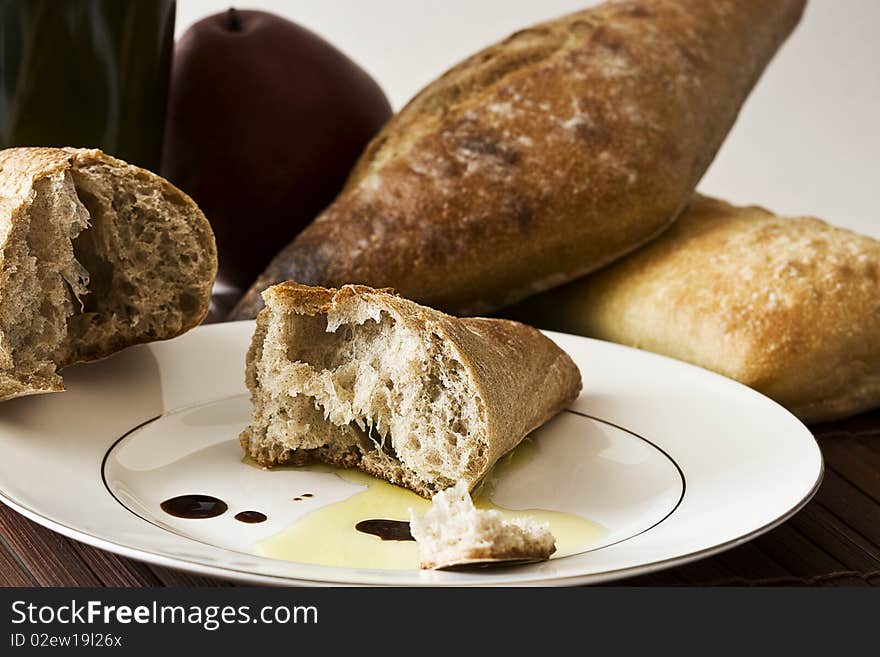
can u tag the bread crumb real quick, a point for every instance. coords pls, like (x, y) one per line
(454, 532)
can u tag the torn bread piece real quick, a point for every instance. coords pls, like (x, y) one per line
(455, 533)
(95, 255)
(363, 378)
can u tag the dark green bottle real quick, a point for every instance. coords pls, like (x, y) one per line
(87, 73)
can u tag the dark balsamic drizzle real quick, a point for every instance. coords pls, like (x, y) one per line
(250, 517)
(387, 530)
(194, 506)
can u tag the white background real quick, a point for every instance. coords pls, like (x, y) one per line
(807, 141)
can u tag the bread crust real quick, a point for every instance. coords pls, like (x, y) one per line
(20, 170)
(788, 306)
(543, 157)
(521, 376)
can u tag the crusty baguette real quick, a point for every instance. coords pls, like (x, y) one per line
(543, 157)
(455, 533)
(362, 378)
(95, 255)
(789, 306)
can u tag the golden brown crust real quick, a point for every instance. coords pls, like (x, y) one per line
(789, 306)
(543, 157)
(521, 376)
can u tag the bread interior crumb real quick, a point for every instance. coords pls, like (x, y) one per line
(357, 380)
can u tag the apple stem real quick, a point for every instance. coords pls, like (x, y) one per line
(233, 21)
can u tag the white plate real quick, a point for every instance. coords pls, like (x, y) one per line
(675, 463)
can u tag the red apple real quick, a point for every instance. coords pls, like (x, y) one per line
(265, 121)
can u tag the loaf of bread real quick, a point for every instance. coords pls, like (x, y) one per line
(788, 306)
(96, 255)
(454, 533)
(362, 378)
(543, 157)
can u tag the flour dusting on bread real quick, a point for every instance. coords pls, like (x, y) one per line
(540, 158)
(787, 305)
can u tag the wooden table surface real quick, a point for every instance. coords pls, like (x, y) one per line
(833, 541)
